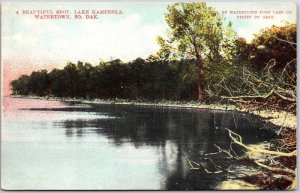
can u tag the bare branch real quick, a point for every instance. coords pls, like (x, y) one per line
(239, 142)
(284, 40)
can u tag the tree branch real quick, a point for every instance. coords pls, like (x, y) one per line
(239, 142)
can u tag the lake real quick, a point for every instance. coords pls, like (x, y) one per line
(66, 145)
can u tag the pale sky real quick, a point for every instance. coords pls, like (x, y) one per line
(29, 44)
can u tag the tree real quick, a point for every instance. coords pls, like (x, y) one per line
(21, 85)
(71, 73)
(276, 43)
(196, 32)
(58, 84)
(39, 83)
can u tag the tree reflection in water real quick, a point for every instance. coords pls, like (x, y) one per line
(174, 133)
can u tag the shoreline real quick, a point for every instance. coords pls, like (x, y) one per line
(280, 118)
(284, 120)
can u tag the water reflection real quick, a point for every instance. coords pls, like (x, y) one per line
(155, 125)
(174, 133)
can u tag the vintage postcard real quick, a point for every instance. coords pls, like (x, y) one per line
(148, 96)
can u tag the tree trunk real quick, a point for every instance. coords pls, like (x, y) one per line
(200, 81)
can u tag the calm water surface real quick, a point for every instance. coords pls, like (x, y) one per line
(59, 145)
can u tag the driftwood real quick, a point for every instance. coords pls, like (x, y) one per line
(238, 140)
(275, 171)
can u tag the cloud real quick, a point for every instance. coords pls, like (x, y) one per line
(126, 39)
(88, 40)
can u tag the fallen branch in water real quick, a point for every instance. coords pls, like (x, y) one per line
(266, 171)
(238, 140)
(285, 173)
(218, 168)
(190, 163)
(220, 150)
(275, 169)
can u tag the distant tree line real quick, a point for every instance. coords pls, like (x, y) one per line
(138, 79)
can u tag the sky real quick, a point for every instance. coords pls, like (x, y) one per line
(29, 44)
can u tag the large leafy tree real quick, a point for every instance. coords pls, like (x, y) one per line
(196, 31)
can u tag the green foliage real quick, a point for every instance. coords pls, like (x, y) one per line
(21, 86)
(138, 79)
(197, 31)
(195, 28)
